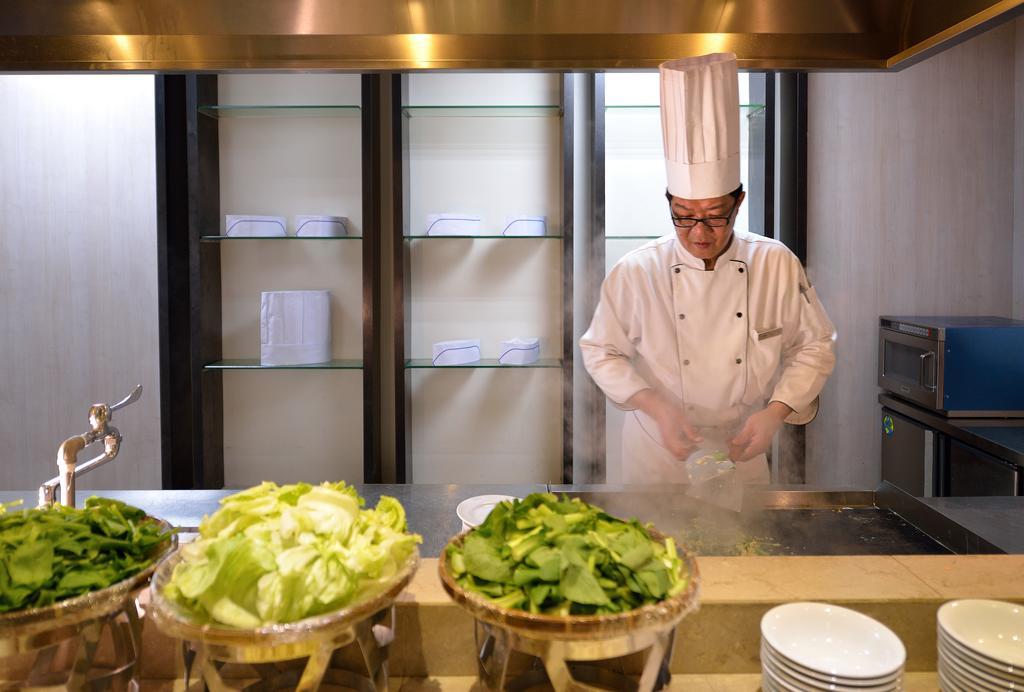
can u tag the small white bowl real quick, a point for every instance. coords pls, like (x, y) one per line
(833, 640)
(992, 628)
(473, 511)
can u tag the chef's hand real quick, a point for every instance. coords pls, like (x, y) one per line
(756, 435)
(677, 435)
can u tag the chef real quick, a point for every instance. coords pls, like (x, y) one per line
(709, 338)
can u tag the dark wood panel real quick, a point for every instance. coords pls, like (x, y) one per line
(372, 203)
(173, 281)
(568, 342)
(204, 285)
(401, 279)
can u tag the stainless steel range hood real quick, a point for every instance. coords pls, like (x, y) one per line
(370, 35)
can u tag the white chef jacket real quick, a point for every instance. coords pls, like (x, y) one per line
(720, 343)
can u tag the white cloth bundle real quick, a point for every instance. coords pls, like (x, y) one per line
(525, 226)
(247, 225)
(519, 351)
(320, 226)
(295, 327)
(457, 352)
(452, 224)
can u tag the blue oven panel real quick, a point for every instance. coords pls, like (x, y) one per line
(984, 369)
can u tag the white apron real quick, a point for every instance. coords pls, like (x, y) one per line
(713, 341)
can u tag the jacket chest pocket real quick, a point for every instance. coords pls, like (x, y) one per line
(764, 356)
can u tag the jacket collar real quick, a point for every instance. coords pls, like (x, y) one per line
(682, 256)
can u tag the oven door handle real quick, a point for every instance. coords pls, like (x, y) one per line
(925, 357)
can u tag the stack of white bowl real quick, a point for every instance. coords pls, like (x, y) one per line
(981, 646)
(818, 646)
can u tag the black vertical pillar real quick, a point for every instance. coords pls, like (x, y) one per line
(204, 285)
(402, 278)
(568, 342)
(371, 184)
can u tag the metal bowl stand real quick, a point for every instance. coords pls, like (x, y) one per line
(573, 665)
(78, 643)
(200, 663)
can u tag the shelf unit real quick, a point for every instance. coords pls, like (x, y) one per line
(405, 241)
(191, 312)
(219, 238)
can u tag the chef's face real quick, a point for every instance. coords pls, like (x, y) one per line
(702, 240)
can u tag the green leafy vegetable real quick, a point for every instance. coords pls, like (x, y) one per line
(275, 554)
(562, 556)
(51, 554)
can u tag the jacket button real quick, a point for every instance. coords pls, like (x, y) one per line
(686, 362)
(738, 361)
(739, 314)
(676, 270)
(741, 270)
(682, 316)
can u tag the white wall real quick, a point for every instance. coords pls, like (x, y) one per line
(78, 273)
(910, 211)
(291, 425)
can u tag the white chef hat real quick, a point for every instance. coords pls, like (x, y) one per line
(700, 104)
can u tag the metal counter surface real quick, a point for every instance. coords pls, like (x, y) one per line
(1000, 520)
(784, 520)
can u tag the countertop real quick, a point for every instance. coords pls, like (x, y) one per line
(851, 527)
(999, 520)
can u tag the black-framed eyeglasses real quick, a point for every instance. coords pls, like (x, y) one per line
(688, 222)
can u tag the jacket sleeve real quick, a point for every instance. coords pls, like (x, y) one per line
(808, 355)
(606, 347)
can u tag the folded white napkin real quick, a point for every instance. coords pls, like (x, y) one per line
(457, 352)
(452, 224)
(519, 351)
(295, 327)
(320, 226)
(255, 226)
(525, 225)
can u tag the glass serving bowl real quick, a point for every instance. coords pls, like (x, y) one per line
(24, 631)
(653, 617)
(270, 643)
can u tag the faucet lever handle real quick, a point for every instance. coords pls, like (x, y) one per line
(130, 399)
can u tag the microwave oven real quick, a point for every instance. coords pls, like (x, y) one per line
(956, 366)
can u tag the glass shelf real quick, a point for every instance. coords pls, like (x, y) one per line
(218, 238)
(254, 364)
(485, 363)
(281, 111)
(482, 111)
(748, 108)
(492, 236)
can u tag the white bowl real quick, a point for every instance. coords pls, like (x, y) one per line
(473, 511)
(767, 685)
(967, 679)
(948, 685)
(783, 681)
(804, 680)
(979, 679)
(833, 640)
(992, 628)
(989, 665)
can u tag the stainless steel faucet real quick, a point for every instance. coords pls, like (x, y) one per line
(67, 456)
